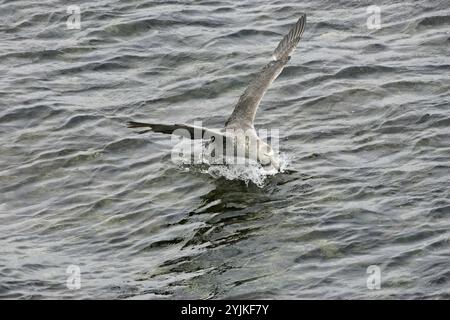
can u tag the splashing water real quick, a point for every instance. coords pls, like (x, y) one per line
(252, 172)
(195, 161)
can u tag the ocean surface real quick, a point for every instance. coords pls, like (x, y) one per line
(91, 209)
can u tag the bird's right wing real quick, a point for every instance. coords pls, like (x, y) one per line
(244, 112)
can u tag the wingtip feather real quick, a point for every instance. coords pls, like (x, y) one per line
(290, 40)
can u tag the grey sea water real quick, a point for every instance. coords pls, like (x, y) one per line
(363, 114)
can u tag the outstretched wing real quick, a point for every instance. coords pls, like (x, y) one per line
(290, 41)
(244, 112)
(183, 130)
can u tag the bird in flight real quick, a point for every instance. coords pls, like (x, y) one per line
(239, 132)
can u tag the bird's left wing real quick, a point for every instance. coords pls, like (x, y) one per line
(183, 130)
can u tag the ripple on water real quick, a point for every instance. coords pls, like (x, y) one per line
(363, 119)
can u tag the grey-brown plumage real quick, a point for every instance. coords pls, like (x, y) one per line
(244, 111)
(193, 132)
(290, 41)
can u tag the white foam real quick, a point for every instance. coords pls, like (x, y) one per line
(250, 172)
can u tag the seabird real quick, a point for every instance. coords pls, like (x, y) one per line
(239, 131)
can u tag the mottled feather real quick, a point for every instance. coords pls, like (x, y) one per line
(184, 130)
(290, 41)
(244, 112)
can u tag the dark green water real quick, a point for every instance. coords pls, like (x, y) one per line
(364, 120)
